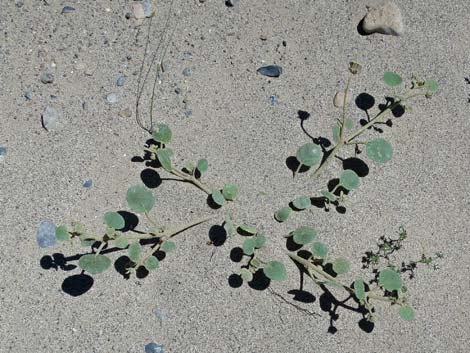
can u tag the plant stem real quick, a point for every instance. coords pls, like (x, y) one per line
(191, 179)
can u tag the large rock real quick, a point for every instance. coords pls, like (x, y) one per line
(385, 19)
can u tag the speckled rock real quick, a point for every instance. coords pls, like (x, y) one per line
(385, 19)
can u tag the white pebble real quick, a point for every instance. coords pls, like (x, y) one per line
(385, 19)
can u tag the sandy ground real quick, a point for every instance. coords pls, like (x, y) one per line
(246, 141)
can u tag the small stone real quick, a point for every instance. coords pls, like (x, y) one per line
(112, 98)
(3, 153)
(28, 94)
(385, 19)
(188, 113)
(273, 100)
(138, 9)
(187, 55)
(339, 99)
(148, 8)
(231, 3)
(263, 37)
(120, 81)
(68, 9)
(88, 183)
(19, 3)
(125, 113)
(187, 72)
(154, 348)
(128, 15)
(270, 71)
(178, 90)
(49, 118)
(160, 314)
(47, 77)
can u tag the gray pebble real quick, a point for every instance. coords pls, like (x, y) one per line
(47, 77)
(188, 113)
(148, 8)
(50, 118)
(120, 81)
(231, 3)
(187, 72)
(68, 9)
(19, 3)
(112, 98)
(178, 90)
(28, 94)
(385, 19)
(187, 55)
(88, 183)
(3, 153)
(154, 348)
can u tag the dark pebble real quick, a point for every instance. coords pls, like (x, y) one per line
(231, 3)
(47, 77)
(270, 71)
(187, 72)
(88, 183)
(28, 94)
(68, 9)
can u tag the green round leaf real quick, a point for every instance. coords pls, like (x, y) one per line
(349, 179)
(168, 246)
(61, 233)
(164, 157)
(244, 229)
(202, 165)
(163, 134)
(359, 289)
(302, 202)
(246, 275)
(114, 220)
(431, 85)
(275, 271)
(94, 264)
(329, 195)
(259, 241)
(121, 242)
(392, 79)
(304, 235)
(407, 313)
(134, 251)
(341, 266)
(319, 250)
(230, 191)
(140, 199)
(309, 154)
(283, 214)
(151, 263)
(379, 150)
(248, 246)
(390, 279)
(218, 198)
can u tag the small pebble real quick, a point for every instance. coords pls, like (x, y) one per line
(270, 71)
(385, 19)
(49, 118)
(128, 15)
(47, 77)
(231, 3)
(178, 90)
(187, 55)
(154, 348)
(120, 81)
(339, 99)
(187, 72)
(160, 314)
(3, 153)
(148, 8)
(68, 9)
(88, 183)
(28, 94)
(112, 98)
(188, 113)
(45, 235)
(19, 3)
(138, 9)
(273, 100)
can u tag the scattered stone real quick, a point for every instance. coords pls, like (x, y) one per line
(187, 55)
(45, 235)
(3, 153)
(231, 3)
(19, 3)
(120, 81)
(112, 98)
(128, 15)
(143, 9)
(88, 183)
(339, 99)
(263, 37)
(160, 314)
(49, 118)
(154, 348)
(187, 72)
(178, 90)
(148, 8)
(273, 100)
(125, 113)
(270, 71)
(386, 19)
(68, 9)
(188, 113)
(28, 94)
(47, 77)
